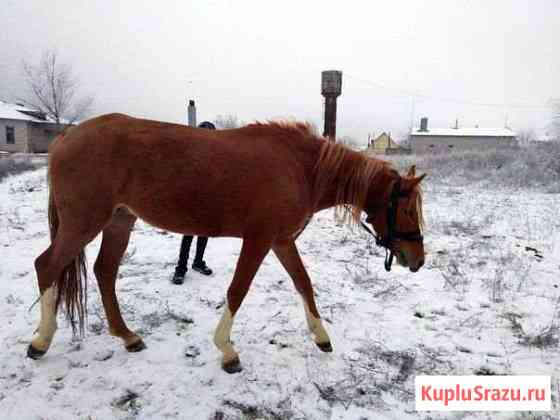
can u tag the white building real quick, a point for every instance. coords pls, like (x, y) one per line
(24, 129)
(429, 140)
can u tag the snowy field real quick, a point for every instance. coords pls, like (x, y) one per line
(487, 302)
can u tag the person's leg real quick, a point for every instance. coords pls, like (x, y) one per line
(181, 268)
(199, 264)
(200, 248)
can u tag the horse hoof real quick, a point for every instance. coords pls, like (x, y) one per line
(326, 347)
(233, 366)
(33, 353)
(136, 347)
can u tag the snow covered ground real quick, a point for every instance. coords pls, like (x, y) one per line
(487, 302)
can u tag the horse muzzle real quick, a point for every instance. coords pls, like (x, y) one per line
(417, 267)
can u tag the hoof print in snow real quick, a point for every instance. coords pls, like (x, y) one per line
(103, 355)
(96, 328)
(77, 364)
(273, 341)
(464, 349)
(419, 314)
(191, 352)
(484, 371)
(57, 384)
(11, 300)
(128, 402)
(538, 255)
(76, 347)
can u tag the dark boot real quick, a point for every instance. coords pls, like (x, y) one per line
(179, 276)
(201, 267)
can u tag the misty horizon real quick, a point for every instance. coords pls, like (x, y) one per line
(481, 64)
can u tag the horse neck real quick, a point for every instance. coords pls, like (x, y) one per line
(351, 170)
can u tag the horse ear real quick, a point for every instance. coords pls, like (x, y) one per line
(409, 183)
(412, 171)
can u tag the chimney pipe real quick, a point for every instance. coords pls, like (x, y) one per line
(191, 114)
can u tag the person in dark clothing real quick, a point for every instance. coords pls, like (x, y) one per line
(198, 264)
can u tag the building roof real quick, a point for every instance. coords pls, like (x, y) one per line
(390, 143)
(10, 111)
(465, 132)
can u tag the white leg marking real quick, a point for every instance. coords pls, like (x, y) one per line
(222, 336)
(315, 325)
(47, 325)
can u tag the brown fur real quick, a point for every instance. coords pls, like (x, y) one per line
(262, 183)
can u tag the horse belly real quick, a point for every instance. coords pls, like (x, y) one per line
(198, 215)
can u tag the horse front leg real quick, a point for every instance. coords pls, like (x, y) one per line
(290, 259)
(253, 251)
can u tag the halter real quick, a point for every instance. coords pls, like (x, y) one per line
(392, 233)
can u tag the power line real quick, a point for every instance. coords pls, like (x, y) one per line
(417, 95)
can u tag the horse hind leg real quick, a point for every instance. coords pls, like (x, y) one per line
(115, 241)
(60, 267)
(47, 324)
(61, 270)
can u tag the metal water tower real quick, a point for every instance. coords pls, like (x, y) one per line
(331, 88)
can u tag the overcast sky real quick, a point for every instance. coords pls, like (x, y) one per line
(481, 61)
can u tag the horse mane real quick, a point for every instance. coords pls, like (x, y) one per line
(417, 205)
(286, 128)
(353, 172)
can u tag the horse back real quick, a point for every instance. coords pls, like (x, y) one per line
(185, 179)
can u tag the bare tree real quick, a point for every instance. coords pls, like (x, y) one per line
(53, 90)
(526, 136)
(227, 121)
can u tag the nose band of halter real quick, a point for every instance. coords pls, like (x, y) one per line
(393, 234)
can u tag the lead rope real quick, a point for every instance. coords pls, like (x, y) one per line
(391, 222)
(388, 259)
(380, 242)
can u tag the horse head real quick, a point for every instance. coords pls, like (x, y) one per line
(398, 221)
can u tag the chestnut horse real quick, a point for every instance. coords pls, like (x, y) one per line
(261, 183)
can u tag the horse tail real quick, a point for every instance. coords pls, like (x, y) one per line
(71, 286)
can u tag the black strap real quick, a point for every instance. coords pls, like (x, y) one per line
(379, 241)
(392, 232)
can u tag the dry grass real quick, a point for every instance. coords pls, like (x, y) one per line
(15, 164)
(534, 166)
(549, 336)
